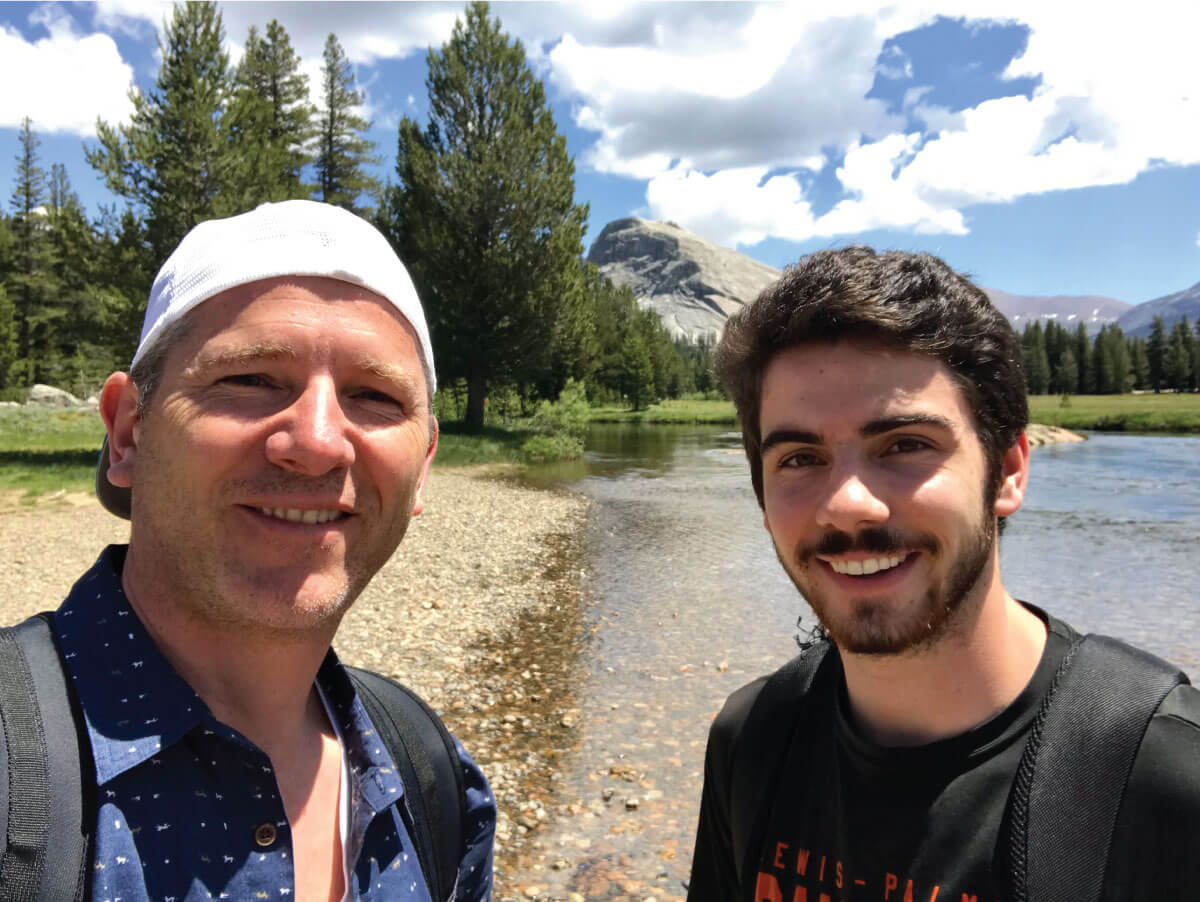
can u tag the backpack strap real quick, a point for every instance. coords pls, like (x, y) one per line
(754, 774)
(47, 799)
(428, 763)
(1067, 793)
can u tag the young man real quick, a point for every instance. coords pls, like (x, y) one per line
(919, 745)
(269, 448)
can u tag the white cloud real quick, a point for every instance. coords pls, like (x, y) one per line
(66, 80)
(714, 105)
(131, 16)
(1198, 239)
(704, 120)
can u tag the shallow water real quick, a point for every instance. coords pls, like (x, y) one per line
(684, 601)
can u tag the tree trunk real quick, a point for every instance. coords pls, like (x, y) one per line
(476, 397)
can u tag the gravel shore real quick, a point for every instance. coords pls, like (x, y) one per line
(477, 611)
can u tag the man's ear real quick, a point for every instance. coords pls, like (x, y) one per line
(419, 497)
(119, 410)
(1014, 477)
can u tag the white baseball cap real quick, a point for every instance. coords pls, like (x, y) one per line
(292, 238)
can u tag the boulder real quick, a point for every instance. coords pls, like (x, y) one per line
(49, 396)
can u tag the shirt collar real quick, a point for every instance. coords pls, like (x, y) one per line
(135, 704)
(133, 701)
(371, 767)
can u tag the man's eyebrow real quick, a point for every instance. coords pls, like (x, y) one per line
(401, 376)
(243, 355)
(789, 437)
(904, 421)
(872, 428)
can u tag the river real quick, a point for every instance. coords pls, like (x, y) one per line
(684, 601)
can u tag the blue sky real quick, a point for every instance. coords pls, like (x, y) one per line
(1044, 148)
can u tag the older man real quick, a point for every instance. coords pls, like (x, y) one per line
(940, 741)
(269, 447)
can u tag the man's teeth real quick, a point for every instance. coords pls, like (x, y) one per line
(300, 516)
(869, 566)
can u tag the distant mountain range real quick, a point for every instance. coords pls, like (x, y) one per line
(694, 285)
(1068, 311)
(1171, 308)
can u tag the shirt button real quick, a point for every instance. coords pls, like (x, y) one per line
(265, 834)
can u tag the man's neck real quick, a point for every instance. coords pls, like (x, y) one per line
(960, 682)
(260, 683)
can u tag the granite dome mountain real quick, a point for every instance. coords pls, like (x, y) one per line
(694, 285)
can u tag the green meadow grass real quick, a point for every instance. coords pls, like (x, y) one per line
(714, 412)
(1166, 412)
(48, 450)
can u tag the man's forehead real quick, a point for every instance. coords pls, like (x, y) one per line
(243, 324)
(857, 380)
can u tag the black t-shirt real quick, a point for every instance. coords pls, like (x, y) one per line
(852, 820)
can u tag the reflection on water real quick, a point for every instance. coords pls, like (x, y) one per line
(1107, 540)
(685, 601)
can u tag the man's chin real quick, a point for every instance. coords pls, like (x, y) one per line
(874, 629)
(291, 602)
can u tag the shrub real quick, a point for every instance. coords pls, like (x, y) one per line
(542, 449)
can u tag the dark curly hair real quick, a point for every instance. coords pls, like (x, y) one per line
(910, 302)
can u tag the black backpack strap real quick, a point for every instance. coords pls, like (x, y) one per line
(428, 763)
(48, 798)
(1069, 786)
(753, 776)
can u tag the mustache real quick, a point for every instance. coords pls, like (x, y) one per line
(283, 482)
(876, 540)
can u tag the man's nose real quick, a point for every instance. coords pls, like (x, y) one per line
(851, 502)
(313, 435)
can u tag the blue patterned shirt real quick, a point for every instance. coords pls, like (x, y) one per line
(188, 808)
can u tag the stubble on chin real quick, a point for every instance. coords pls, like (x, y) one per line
(889, 626)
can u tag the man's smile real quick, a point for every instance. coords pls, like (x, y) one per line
(865, 566)
(296, 515)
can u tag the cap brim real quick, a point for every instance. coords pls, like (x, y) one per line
(116, 500)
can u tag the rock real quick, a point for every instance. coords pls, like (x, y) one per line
(1040, 434)
(632, 804)
(49, 396)
(692, 284)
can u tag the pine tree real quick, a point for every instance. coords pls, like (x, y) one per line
(271, 122)
(1140, 363)
(30, 281)
(174, 160)
(1177, 362)
(1188, 343)
(1083, 359)
(1196, 358)
(1037, 365)
(128, 266)
(485, 210)
(1156, 352)
(1066, 377)
(342, 149)
(637, 370)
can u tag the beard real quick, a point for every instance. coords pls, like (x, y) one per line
(894, 626)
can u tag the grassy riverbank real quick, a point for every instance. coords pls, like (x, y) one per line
(681, 412)
(1174, 412)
